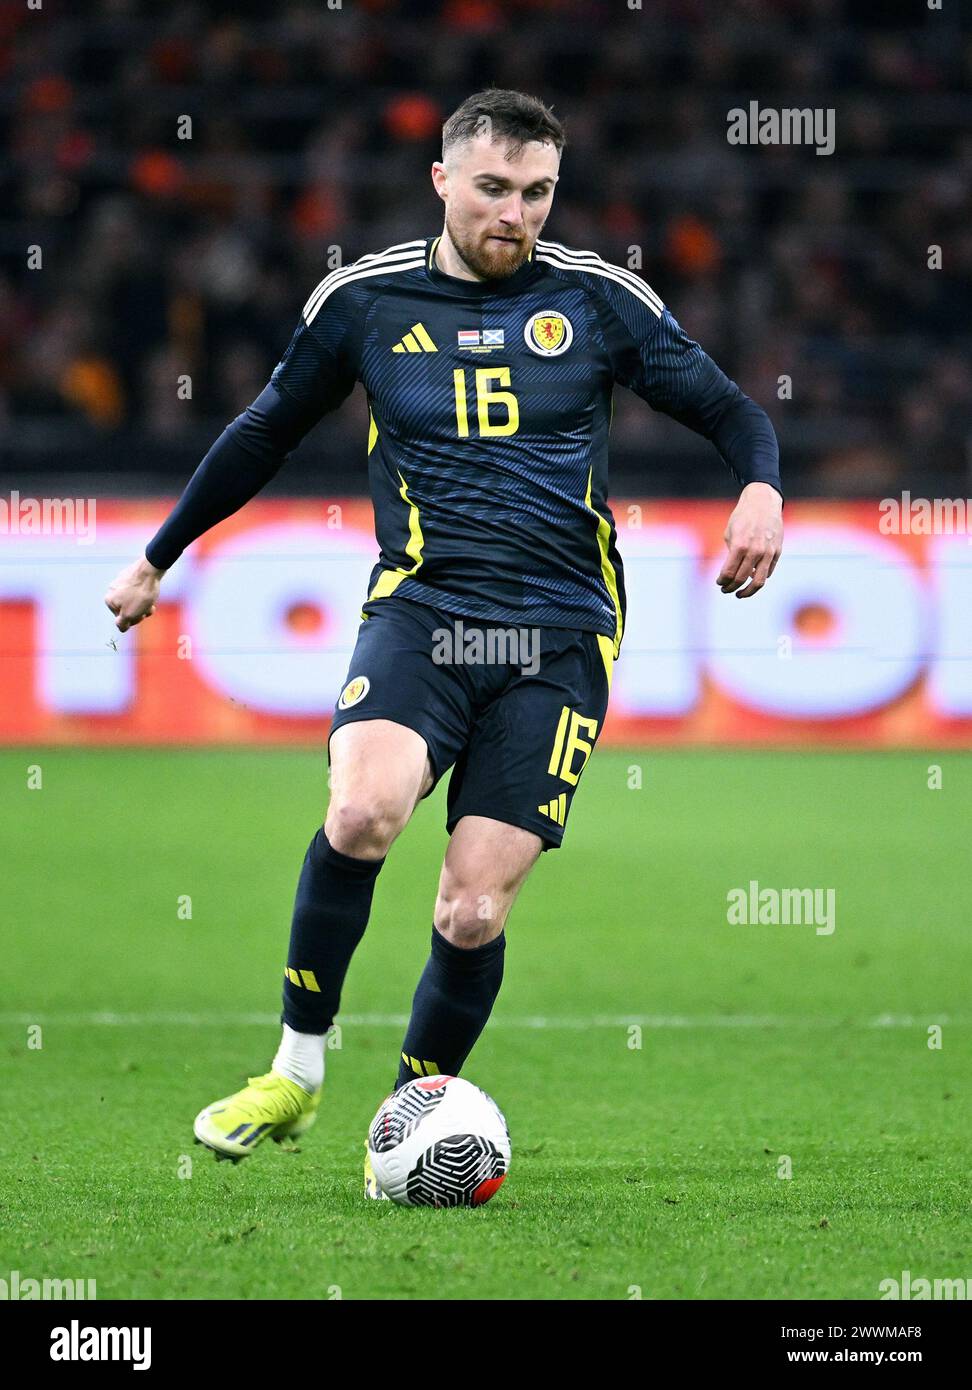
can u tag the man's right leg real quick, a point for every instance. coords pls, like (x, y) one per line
(379, 772)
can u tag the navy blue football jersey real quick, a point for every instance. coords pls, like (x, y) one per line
(490, 411)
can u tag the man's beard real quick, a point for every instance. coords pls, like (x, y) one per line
(492, 260)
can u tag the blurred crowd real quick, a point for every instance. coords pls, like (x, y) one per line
(149, 283)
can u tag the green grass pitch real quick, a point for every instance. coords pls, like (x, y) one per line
(652, 1168)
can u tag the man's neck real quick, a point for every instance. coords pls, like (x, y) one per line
(448, 260)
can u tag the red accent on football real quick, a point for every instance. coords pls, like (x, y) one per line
(433, 1083)
(486, 1189)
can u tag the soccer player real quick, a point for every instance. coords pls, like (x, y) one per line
(489, 358)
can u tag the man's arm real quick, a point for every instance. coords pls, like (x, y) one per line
(316, 373)
(248, 453)
(244, 458)
(683, 381)
(660, 363)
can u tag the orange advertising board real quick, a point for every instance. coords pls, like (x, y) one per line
(861, 637)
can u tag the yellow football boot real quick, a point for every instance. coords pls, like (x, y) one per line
(268, 1107)
(372, 1187)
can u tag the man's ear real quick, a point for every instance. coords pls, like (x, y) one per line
(440, 179)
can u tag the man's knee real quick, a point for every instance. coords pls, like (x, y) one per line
(484, 869)
(363, 828)
(468, 917)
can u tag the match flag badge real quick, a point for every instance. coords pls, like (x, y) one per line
(477, 339)
(548, 334)
(354, 692)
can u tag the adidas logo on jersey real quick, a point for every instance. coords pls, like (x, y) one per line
(416, 340)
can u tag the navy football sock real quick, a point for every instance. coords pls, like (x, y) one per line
(452, 1003)
(331, 911)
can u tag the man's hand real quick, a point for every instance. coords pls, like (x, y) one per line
(754, 536)
(133, 594)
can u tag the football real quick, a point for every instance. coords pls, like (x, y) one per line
(439, 1142)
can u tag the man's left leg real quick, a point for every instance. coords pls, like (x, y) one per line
(510, 795)
(484, 868)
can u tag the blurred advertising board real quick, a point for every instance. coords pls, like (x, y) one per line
(863, 636)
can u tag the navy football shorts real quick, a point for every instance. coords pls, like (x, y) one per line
(515, 712)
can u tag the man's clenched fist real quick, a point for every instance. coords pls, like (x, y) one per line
(133, 594)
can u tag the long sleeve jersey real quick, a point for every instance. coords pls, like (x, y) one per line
(490, 410)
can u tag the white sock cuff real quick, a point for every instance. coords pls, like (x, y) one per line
(300, 1057)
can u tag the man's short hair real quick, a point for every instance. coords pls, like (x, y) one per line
(506, 117)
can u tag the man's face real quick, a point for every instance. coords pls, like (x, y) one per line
(496, 208)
